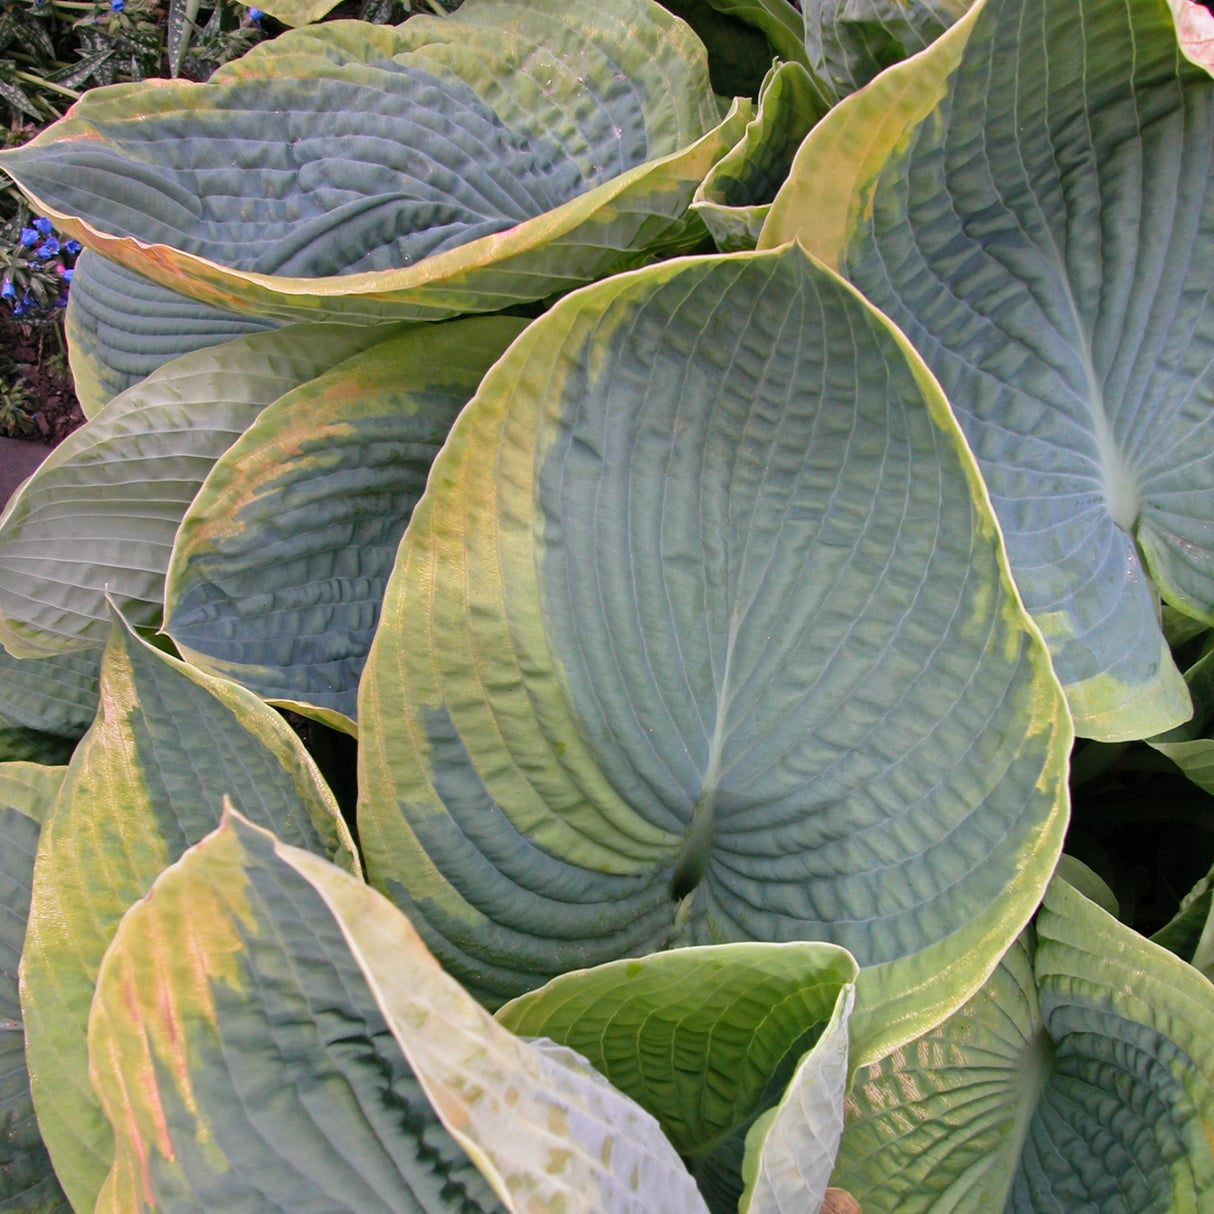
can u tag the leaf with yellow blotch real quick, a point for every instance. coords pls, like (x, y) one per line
(269, 1029)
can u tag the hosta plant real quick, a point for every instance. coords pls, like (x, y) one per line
(683, 641)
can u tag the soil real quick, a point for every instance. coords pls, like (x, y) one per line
(31, 357)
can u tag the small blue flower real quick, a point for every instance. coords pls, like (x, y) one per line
(71, 247)
(66, 275)
(8, 291)
(255, 14)
(61, 302)
(18, 309)
(28, 237)
(48, 248)
(43, 225)
(27, 300)
(117, 6)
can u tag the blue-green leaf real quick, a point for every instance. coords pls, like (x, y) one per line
(146, 783)
(503, 154)
(121, 327)
(99, 516)
(279, 565)
(1081, 1077)
(27, 1180)
(702, 631)
(300, 1050)
(1031, 200)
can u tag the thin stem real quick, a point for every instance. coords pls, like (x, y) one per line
(48, 84)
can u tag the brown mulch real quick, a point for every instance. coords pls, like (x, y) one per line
(30, 359)
(30, 355)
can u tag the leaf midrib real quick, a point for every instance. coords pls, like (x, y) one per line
(692, 860)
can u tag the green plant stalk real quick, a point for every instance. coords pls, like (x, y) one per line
(41, 82)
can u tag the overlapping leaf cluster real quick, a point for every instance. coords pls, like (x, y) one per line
(691, 499)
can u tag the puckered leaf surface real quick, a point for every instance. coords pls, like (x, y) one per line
(706, 1039)
(279, 566)
(147, 782)
(121, 327)
(1032, 201)
(299, 1041)
(1081, 1076)
(511, 151)
(27, 1180)
(703, 632)
(848, 42)
(100, 514)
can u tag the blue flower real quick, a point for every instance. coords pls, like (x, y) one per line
(255, 14)
(43, 225)
(66, 275)
(8, 291)
(18, 309)
(71, 247)
(48, 248)
(27, 300)
(117, 5)
(28, 237)
(61, 302)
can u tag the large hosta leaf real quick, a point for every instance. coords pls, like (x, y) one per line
(703, 632)
(30, 788)
(513, 150)
(706, 1039)
(147, 782)
(1031, 201)
(306, 1069)
(27, 1180)
(121, 327)
(279, 565)
(1081, 1077)
(55, 695)
(99, 516)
